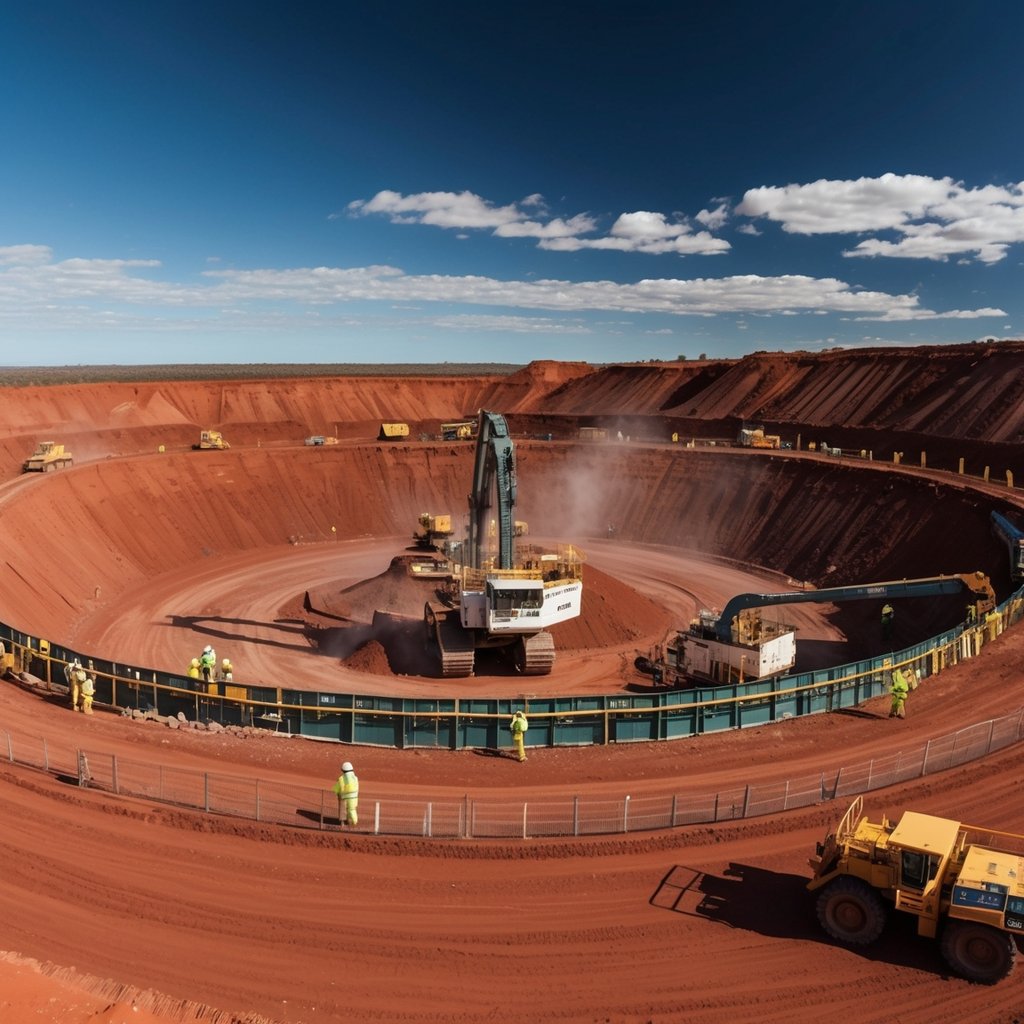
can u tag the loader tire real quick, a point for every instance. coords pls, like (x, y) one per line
(978, 952)
(851, 911)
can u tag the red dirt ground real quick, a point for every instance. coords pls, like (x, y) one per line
(118, 910)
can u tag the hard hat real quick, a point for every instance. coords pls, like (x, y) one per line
(195, 662)
(207, 649)
(78, 664)
(347, 767)
(226, 662)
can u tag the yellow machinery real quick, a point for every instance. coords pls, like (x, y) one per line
(755, 437)
(211, 439)
(968, 895)
(463, 431)
(433, 530)
(48, 457)
(393, 431)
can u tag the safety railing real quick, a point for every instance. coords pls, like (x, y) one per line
(461, 723)
(569, 815)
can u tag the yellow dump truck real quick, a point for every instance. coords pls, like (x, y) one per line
(48, 457)
(963, 883)
(393, 431)
(210, 439)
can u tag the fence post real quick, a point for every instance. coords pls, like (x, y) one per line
(322, 809)
(376, 818)
(924, 762)
(785, 797)
(675, 808)
(113, 775)
(746, 800)
(576, 815)
(83, 770)
(991, 733)
(464, 827)
(524, 818)
(625, 814)
(10, 749)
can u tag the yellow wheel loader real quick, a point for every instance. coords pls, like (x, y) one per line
(964, 890)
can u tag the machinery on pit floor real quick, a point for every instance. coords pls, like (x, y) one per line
(432, 531)
(47, 457)
(1013, 537)
(738, 644)
(320, 440)
(964, 891)
(210, 439)
(500, 594)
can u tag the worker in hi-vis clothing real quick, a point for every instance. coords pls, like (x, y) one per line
(888, 614)
(347, 790)
(519, 725)
(899, 691)
(88, 692)
(76, 676)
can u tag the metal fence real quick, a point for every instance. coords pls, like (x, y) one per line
(492, 818)
(461, 723)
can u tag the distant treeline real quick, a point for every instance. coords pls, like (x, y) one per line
(36, 376)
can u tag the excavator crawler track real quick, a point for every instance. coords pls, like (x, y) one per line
(456, 650)
(535, 655)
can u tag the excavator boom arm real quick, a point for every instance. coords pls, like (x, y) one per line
(977, 583)
(494, 472)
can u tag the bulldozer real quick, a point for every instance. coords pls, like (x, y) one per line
(210, 439)
(48, 457)
(964, 891)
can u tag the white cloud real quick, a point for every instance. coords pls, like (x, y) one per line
(932, 218)
(714, 219)
(640, 231)
(21, 254)
(35, 294)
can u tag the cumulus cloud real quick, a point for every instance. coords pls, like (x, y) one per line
(639, 231)
(930, 218)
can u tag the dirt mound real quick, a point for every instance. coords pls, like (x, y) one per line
(370, 657)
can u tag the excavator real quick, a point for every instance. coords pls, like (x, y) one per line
(501, 594)
(738, 644)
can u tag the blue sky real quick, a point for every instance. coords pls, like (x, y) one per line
(408, 182)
